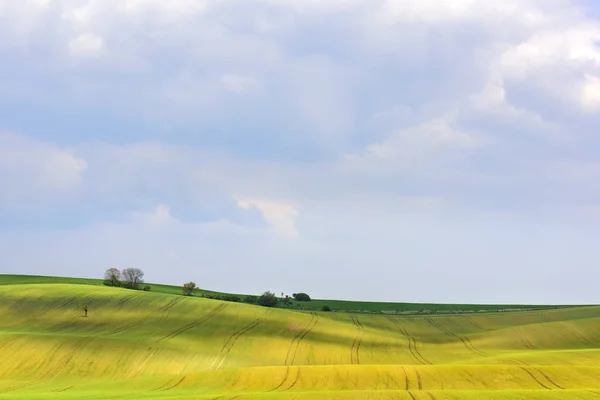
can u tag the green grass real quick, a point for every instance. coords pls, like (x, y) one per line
(152, 345)
(313, 305)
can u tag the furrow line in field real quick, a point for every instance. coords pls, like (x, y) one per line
(407, 378)
(179, 382)
(412, 396)
(290, 357)
(171, 304)
(412, 343)
(309, 328)
(194, 324)
(354, 351)
(465, 340)
(218, 361)
(431, 396)
(295, 381)
(287, 372)
(526, 342)
(419, 382)
(534, 378)
(548, 378)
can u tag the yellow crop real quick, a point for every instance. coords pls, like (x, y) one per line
(139, 345)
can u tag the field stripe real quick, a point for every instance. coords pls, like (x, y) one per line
(407, 378)
(412, 396)
(465, 340)
(226, 349)
(290, 357)
(287, 372)
(355, 350)
(419, 382)
(194, 324)
(536, 379)
(412, 343)
(295, 381)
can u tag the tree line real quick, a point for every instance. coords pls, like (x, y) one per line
(133, 278)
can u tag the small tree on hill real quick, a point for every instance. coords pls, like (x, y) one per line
(133, 277)
(301, 296)
(112, 277)
(267, 299)
(189, 288)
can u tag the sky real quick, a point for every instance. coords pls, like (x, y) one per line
(422, 151)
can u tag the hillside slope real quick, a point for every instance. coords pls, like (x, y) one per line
(158, 346)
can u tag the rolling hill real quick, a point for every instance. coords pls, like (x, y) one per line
(152, 345)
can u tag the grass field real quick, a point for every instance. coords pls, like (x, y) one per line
(150, 345)
(313, 305)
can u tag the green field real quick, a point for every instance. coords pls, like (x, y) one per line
(313, 305)
(154, 345)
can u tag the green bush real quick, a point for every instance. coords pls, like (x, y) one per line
(301, 296)
(267, 299)
(325, 308)
(146, 288)
(249, 299)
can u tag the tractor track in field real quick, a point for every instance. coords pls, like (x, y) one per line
(125, 328)
(171, 304)
(474, 324)
(465, 340)
(522, 364)
(535, 378)
(355, 350)
(194, 324)
(583, 339)
(179, 382)
(526, 342)
(407, 379)
(419, 382)
(412, 344)
(412, 396)
(431, 396)
(290, 357)
(287, 373)
(293, 383)
(222, 356)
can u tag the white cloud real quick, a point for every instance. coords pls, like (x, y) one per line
(238, 84)
(86, 44)
(281, 216)
(33, 168)
(434, 142)
(590, 93)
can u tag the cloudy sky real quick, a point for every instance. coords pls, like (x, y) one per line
(431, 151)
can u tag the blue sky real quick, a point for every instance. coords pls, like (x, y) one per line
(406, 151)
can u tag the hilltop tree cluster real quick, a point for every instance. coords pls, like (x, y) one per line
(130, 278)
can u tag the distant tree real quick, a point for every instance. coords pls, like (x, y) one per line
(112, 277)
(189, 288)
(301, 296)
(267, 299)
(147, 288)
(325, 308)
(133, 277)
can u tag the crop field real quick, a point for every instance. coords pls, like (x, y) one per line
(148, 345)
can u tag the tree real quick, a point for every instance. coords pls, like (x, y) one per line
(267, 299)
(301, 296)
(112, 277)
(325, 308)
(133, 277)
(189, 288)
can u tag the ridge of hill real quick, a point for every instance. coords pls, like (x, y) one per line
(314, 304)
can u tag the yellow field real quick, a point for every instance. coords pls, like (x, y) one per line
(156, 346)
